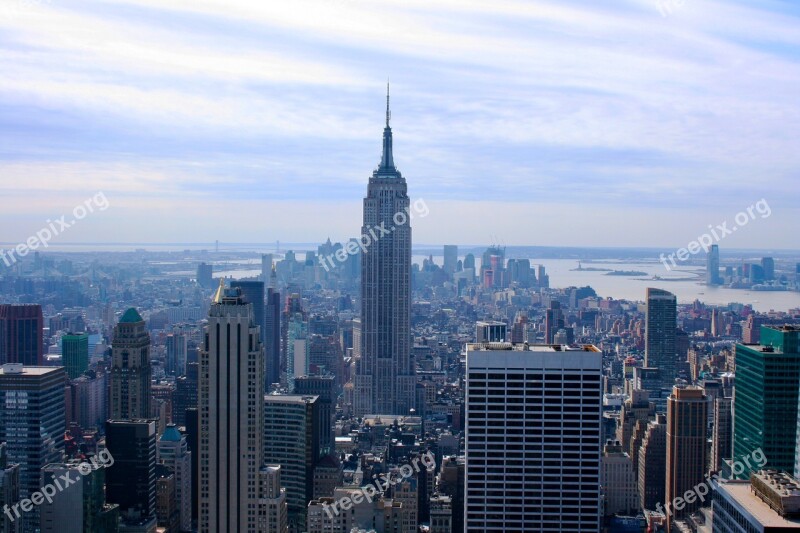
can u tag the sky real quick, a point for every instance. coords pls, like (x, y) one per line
(578, 123)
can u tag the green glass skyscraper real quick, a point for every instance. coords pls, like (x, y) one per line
(75, 353)
(765, 397)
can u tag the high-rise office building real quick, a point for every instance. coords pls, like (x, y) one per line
(131, 480)
(177, 350)
(768, 266)
(272, 338)
(131, 370)
(659, 334)
(652, 464)
(253, 292)
(491, 332)
(385, 378)
(89, 400)
(553, 321)
(712, 266)
(231, 416)
(721, 436)
(205, 275)
(619, 481)
(266, 267)
(533, 415)
(9, 492)
(21, 329)
(75, 353)
(186, 393)
(325, 388)
(766, 396)
(766, 503)
(276, 516)
(32, 423)
(687, 419)
(173, 452)
(291, 439)
(450, 258)
(82, 507)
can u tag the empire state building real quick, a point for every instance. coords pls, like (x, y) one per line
(385, 378)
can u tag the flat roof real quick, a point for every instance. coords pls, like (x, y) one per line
(525, 347)
(29, 370)
(742, 494)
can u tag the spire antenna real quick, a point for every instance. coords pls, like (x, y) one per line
(388, 112)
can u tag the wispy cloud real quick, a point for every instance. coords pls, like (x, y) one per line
(529, 102)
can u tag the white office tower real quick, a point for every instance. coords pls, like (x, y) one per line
(533, 442)
(231, 416)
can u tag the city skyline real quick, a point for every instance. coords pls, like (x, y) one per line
(648, 117)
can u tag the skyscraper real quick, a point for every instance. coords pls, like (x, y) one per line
(231, 416)
(712, 266)
(533, 415)
(687, 417)
(32, 423)
(652, 461)
(80, 508)
(450, 258)
(385, 379)
(266, 267)
(130, 368)
(659, 334)
(173, 451)
(272, 337)
(291, 439)
(253, 292)
(177, 349)
(75, 353)
(131, 480)
(21, 334)
(765, 397)
(9, 492)
(276, 517)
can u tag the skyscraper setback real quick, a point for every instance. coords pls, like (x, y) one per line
(385, 381)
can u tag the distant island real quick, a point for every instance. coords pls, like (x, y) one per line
(626, 273)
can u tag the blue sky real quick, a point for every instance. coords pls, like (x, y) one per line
(541, 123)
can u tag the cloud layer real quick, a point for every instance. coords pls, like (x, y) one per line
(258, 116)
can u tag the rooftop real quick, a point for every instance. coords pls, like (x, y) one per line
(525, 347)
(741, 493)
(131, 316)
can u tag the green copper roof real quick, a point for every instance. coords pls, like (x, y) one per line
(171, 434)
(131, 316)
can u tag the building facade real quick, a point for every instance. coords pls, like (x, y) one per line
(533, 438)
(385, 380)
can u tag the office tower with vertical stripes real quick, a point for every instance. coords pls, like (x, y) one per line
(385, 380)
(231, 409)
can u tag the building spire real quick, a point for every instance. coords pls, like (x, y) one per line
(388, 112)
(387, 160)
